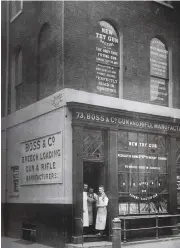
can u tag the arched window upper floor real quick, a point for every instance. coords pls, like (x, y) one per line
(45, 66)
(15, 101)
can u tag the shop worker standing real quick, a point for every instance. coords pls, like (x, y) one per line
(85, 207)
(101, 205)
(91, 200)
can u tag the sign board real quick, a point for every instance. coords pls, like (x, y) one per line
(15, 178)
(107, 59)
(158, 59)
(123, 121)
(159, 91)
(158, 73)
(41, 160)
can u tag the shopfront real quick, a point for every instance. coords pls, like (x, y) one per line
(133, 155)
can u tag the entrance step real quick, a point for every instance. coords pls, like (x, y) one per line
(94, 238)
(99, 244)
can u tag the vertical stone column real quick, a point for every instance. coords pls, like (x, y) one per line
(112, 177)
(78, 184)
(172, 176)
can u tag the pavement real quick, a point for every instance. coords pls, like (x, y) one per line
(174, 242)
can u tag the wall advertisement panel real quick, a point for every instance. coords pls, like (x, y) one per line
(107, 59)
(41, 160)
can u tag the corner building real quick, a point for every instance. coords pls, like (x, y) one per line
(91, 94)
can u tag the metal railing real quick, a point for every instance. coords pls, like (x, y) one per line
(117, 231)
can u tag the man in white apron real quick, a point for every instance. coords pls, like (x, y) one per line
(101, 204)
(91, 201)
(85, 207)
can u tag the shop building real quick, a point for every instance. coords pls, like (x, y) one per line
(93, 96)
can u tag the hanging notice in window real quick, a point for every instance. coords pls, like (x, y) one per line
(158, 59)
(107, 60)
(15, 178)
(41, 160)
(158, 73)
(159, 91)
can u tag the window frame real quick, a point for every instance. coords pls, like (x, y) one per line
(126, 173)
(16, 69)
(13, 17)
(168, 79)
(13, 192)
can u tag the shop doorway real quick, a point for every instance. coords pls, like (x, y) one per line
(93, 176)
(93, 173)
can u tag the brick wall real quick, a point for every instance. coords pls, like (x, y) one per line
(3, 56)
(139, 22)
(24, 32)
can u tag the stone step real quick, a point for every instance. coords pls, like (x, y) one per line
(99, 244)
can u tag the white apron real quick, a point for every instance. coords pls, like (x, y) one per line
(85, 210)
(90, 209)
(102, 202)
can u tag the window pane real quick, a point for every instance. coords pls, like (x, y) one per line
(163, 184)
(161, 145)
(142, 143)
(132, 142)
(152, 143)
(163, 200)
(133, 184)
(123, 182)
(93, 145)
(162, 163)
(122, 140)
(19, 96)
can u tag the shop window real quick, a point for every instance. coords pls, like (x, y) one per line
(178, 171)
(108, 43)
(15, 8)
(142, 173)
(159, 74)
(15, 180)
(93, 145)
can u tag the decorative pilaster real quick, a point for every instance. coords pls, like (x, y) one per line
(78, 184)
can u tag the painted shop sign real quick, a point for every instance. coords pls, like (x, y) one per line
(15, 175)
(107, 59)
(158, 72)
(124, 121)
(41, 160)
(158, 59)
(159, 91)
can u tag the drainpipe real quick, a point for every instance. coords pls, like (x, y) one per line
(6, 114)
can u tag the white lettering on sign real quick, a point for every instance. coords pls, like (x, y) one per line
(125, 121)
(41, 160)
(132, 143)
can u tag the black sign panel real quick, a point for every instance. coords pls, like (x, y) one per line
(159, 91)
(159, 73)
(107, 59)
(15, 172)
(158, 59)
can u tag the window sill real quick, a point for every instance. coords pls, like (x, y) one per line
(16, 16)
(165, 4)
(14, 194)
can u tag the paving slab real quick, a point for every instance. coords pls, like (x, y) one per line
(173, 242)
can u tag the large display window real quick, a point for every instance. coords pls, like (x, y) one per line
(142, 173)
